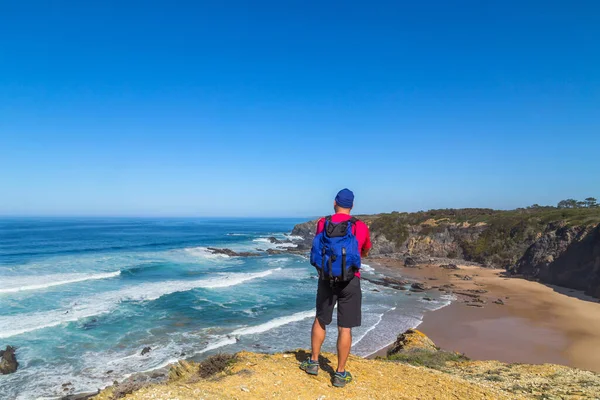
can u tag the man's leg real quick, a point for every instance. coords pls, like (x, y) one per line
(344, 343)
(316, 339)
(349, 316)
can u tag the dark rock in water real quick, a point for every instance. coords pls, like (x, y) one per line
(91, 324)
(8, 361)
(275, 252)
(274, 240)
(231, 253)
(499, 301)
(393, 281)
(417, 287)
(410, 262)
(474, 305)
(110, 371)
(146, 350)
(449, 266)
(427, 298)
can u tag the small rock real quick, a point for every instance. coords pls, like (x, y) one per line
(499, 301)
(410, 262)
(449, 266)
(67, 384)
(110, 371)
(467, 278)
(417, 287)
(474, 305)
(244, 389)
(8, 361)
(146, 350)
(427, 298)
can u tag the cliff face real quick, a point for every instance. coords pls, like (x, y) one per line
(551, 246)
(415, 369)
(567, 256)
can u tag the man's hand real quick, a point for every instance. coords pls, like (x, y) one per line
(365, 252)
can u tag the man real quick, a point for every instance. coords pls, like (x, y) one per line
(345, 292)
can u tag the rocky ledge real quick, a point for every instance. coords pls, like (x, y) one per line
(414, 368)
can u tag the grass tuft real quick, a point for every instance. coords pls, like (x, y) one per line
(430, 359)
(215, 364)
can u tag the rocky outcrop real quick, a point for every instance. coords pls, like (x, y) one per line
(231, 253)
(567, 256)
(412, 339)
(146, 350)
(8, 361)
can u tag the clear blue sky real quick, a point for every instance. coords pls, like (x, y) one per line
(268, 108)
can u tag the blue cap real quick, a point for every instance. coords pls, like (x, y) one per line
(345, 198)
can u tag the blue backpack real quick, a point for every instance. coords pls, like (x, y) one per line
(335, 252)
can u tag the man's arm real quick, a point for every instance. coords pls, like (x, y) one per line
(366, 248)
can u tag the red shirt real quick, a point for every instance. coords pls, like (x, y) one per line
(360, 230)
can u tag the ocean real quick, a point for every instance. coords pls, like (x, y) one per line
(81, 297)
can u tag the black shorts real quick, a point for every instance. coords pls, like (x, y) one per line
(348, 297)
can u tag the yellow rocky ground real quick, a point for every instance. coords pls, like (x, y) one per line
(263, 376)
(259, 376)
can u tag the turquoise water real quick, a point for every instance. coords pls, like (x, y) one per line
(81, 297)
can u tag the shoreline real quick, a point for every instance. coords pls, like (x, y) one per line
(535, 323)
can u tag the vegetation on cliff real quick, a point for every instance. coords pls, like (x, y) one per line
(502, 238)
(253, 376)
(555, 244)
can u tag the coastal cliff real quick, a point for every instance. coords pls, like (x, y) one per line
(554, 245)
(567, 256)
(413, 369)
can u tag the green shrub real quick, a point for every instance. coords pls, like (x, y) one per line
(430, 359)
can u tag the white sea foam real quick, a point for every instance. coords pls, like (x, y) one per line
(203, 252)
(295, 237)
(274, 323)
(35, 282)
(102, 303)
(367, 268)
(361, 337)
(219, 343)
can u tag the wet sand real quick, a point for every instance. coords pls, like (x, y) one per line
(536, 324)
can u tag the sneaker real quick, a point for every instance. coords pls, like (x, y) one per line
(341, 378)
(310, 367)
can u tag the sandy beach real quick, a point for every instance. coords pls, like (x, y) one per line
(535, 324)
